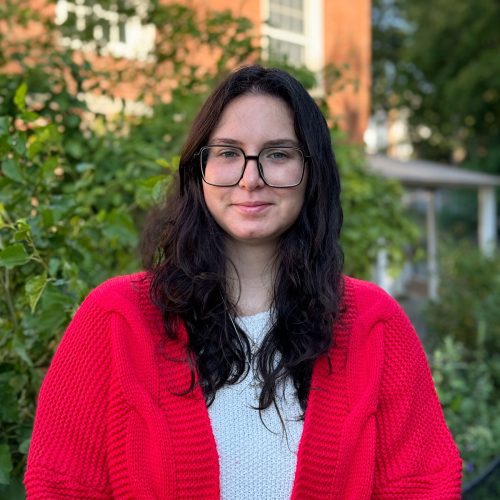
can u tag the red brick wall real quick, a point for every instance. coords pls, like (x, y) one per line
(347, 29)
(348, 41)
(246, 8)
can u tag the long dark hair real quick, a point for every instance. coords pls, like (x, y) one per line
(183, 250)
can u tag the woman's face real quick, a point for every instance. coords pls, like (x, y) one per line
(252, 212)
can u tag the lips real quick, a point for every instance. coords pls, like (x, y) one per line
(252, 207)
(251, 203)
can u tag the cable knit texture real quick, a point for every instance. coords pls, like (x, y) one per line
(113, 419)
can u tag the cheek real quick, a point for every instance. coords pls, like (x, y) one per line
(290, 210)
(213, 200)
(298, 208)
(299, 198)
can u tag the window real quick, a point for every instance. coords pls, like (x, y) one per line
(293, 31)
(292, 53)
(285, 30)
(85, 24)
(287, 15)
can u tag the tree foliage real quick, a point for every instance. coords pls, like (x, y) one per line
(75, 183)
(373, 216)
(439, 60)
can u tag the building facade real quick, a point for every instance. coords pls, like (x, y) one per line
(318, 34)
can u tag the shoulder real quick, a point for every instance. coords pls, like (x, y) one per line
(378, 322)
(122, 293)
(373, 316)
(125, 297)
(367, 300)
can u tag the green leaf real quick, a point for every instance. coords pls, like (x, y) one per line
(53, 297)
(52, 312)
(23, 229)
(21, 235)
(159, 189)
(74, 148)
(29, 116)
(17, 143)
(34, 289)
(43, 138)
(24, 446)
(48, 167)
(84, 167)
(54, 266)
(49, 319)
(4, 125)
(120, 226)
(5, 464)
(47, 215)
(8, 409)
(22, 225)
(13, 255)
(172, 165)
(20, 349)
(20, 97)
(3, 218)
(11, 169)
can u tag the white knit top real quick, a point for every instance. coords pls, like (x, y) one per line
(256, 463)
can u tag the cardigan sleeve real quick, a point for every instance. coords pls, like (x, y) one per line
(416, 456)
(67, 455)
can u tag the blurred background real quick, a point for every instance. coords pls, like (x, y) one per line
(96, 98)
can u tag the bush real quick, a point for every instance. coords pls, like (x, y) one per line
(374, 217)
(469, 391)
(466, 363)
(468, 307)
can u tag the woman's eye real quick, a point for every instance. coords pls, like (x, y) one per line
(228, 153)
(277, 155)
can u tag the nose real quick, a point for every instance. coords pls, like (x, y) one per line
(251, 178)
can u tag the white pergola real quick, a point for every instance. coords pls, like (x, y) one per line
(431, 177)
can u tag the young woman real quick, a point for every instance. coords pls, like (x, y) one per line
(242, 364)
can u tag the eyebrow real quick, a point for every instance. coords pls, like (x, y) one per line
(274, 142)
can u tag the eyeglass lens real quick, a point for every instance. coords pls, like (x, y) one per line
(280, 166)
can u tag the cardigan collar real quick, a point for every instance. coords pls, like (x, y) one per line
(324, 419)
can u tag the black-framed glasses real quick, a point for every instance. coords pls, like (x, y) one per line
(279, 166)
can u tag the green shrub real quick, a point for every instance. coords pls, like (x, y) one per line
(464, 326)
(468, 307)
(374, 217)
(468, 388)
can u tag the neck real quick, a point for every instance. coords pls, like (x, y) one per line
(250, 282)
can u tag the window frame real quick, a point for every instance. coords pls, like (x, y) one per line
(312, 39)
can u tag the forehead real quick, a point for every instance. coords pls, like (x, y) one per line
(255, 118)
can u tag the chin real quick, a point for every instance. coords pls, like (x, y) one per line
(254, 237)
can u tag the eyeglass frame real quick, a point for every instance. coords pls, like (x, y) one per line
(259, 165)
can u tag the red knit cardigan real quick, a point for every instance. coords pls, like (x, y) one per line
(110, 421)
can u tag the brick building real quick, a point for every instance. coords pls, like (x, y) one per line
(314, 33)
(317, 33)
